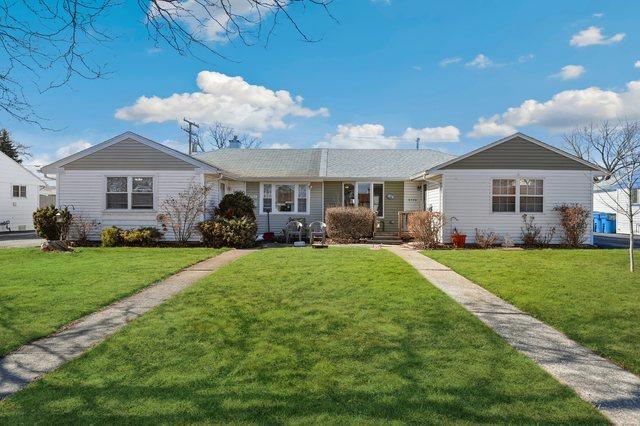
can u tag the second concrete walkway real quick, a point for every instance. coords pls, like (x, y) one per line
(31, 361)
(612, 390)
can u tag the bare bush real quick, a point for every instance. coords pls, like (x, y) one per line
(574, 219)
(426, 228)
(532, 235)
(350, 224)
(82, 227)
(182, 212)
(486, 239)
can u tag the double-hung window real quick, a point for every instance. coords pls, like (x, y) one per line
(523, 194)
(364, 194)
(284, 198)
(129, 192)
(531, 195)
(19, 191)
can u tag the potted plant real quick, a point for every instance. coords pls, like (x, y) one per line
(458, 239)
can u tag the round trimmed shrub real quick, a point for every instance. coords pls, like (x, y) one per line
(233, 205)
(238, 232)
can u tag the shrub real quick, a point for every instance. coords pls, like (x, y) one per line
(82, 227)
(532, 235)
(140, 237)
(111, 237)
(350, 224)
(237, 232)
(237, 204)
(426, 228)
(51, 223)
(574, 219)
(486, 239)
(180, 212)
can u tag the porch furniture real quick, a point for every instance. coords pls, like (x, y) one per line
(317, 232)
(293, 229)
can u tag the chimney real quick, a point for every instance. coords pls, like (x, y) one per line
(234, 143)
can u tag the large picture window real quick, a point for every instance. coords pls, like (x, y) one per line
(283, 198)
(524, 195)
(364, 194)
(129, 192)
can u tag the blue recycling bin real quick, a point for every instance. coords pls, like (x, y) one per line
(597, 222)
(609, 223)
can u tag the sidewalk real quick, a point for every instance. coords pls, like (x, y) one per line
(31, 361)
(612, 390)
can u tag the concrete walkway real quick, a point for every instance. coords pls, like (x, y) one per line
(31, 361)
(614, 391)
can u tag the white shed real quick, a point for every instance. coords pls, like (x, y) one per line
(19, 195)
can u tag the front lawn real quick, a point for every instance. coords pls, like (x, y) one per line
(590, 295)
(40, 292)
(303, 336)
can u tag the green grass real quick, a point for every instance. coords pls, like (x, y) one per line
(40, 292)
(335, 336)
(590, 295)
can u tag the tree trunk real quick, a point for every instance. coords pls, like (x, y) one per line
(631, 242)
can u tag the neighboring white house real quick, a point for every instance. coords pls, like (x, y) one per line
(122, 182)
(19, 195)
(609, 200)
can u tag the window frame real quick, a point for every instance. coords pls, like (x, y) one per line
(21, 195)
(355, 190)
(296, 189)
(517, 178)
(130, 176)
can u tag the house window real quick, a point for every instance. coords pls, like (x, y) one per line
(266, 198)
(503, 195)
(117, 194)
(19, 191)
(284, 198)
(123, 191)
(531, 198)
(364, 194)
(142, 193)
(635, 196)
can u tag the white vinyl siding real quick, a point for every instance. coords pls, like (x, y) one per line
(433, 196)
(80, 189)
(18, 210)
(412, 196)
(467, 196)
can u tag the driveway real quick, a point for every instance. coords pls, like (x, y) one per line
(614, 240)
(19, 239)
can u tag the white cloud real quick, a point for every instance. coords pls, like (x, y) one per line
(570, 72)
(491, 127)
(72, 148)
(637, 64)
(279, 146)
(373, 136)
(177, 145)
(481, 62)
(525, 58)
(564, 110)
(598, 15)
(593, 36)
(449, 61)
(212, 23)
(226, 99)
(433, 134)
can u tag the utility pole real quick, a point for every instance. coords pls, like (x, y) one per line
(417, 143)
(194, 141)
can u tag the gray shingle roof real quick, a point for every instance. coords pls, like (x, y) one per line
(324, 162)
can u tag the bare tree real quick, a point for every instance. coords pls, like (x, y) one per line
(616, 148)
(218, 136)
(54, 40)
(181, 212)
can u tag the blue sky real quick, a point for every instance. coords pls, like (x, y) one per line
(459, 74)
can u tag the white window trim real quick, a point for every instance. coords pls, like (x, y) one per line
(19, 197)
(130, 177)
(517, 179)
(261, 211)
(384, 204)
